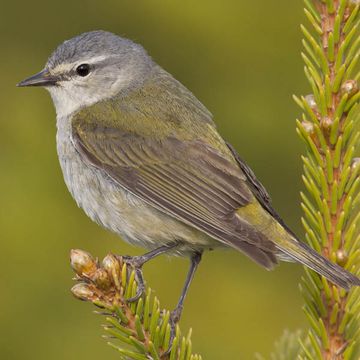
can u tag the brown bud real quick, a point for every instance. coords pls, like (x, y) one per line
(308, 127)
(341, 257)
(101, 279)
(310, 99)
(110, 263)
(355, 163)
(349, 87)
(326, 123)
(83, 291)
(82, 262)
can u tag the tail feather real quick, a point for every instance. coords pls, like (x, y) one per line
(302, 253)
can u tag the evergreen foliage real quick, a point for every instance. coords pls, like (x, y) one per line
(329, 129)
(141, 328)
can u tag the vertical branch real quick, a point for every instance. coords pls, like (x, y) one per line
(331, 172)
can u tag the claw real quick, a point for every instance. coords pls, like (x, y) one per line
(173, 321)
(136, 262)
(139, 277)
(176, 314)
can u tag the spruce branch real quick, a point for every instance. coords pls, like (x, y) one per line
(142, 328)
(330, 204)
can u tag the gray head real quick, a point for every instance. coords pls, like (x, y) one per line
(91, 67)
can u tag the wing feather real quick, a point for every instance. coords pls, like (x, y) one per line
(188, 180)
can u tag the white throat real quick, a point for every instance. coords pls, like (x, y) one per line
(66, 102)
(69, 97)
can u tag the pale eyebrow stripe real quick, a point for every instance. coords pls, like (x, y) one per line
(61, 68)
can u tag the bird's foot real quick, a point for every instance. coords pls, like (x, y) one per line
(136, 263)
(175, 316)
(173, 321)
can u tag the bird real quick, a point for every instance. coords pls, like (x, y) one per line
(142, 156)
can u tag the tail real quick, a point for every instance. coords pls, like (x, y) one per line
(305, 255)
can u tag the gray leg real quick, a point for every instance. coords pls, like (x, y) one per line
(176, 313)
(136, 262)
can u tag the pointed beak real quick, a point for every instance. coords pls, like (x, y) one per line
(43, 78)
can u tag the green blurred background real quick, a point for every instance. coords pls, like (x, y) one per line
(242, 60)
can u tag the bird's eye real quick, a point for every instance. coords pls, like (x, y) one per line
(83, 70)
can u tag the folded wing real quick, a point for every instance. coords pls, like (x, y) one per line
(189, 180)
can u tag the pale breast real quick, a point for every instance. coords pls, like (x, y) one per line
(113, 207)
